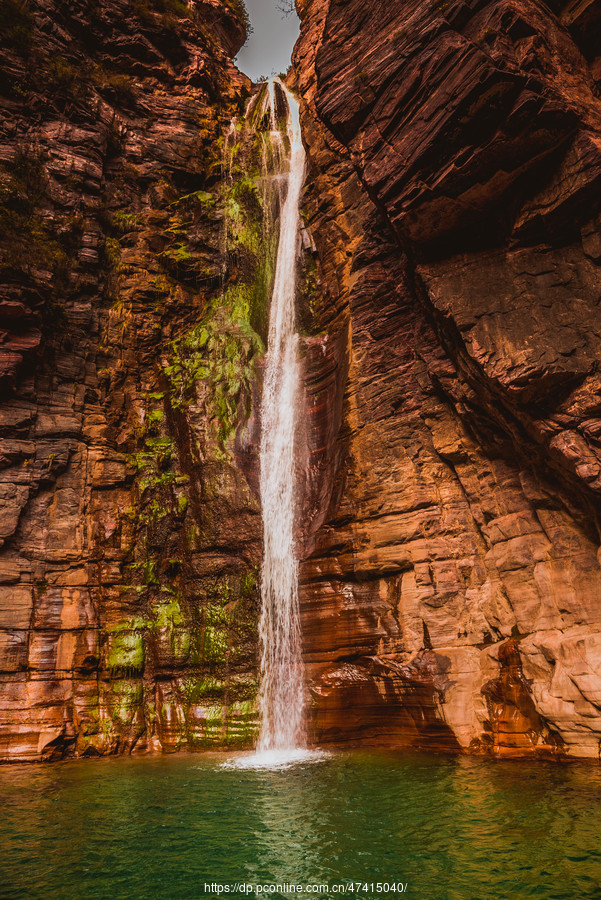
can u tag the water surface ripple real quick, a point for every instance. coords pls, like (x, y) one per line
(161, 827)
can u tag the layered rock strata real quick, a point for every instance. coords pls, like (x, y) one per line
(450, 314)
(130, 540)
(451, 588)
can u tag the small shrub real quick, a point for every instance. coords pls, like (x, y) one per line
(68, 83)
(120, 89)
(124, 221)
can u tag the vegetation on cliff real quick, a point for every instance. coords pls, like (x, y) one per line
(111, 218)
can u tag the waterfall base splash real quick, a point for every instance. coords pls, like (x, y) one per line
(277, 759)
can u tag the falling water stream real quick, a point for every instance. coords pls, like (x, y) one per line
(281, 695)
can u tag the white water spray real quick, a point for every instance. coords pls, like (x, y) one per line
(281, 697)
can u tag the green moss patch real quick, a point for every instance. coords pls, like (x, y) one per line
(215, 363)
(125, 652)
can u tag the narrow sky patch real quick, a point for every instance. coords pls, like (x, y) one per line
(268, 49)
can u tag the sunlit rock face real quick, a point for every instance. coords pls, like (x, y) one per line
(130, 539)
(451, 590)
(449, 328)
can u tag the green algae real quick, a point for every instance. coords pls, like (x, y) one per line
(123, 701)
(197, 689)
(125, 650)
(214, 363)
(181, 643)
(204, 198)
(217, 356)
(242, 724)
(124, 222)
(200, 632)
(215, 644)
(168, 615)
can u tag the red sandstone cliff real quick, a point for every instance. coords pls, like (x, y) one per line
(129, 539)
(451, 590)
(451, 586)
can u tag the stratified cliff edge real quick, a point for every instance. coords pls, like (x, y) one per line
(130, 540)
(451, 587)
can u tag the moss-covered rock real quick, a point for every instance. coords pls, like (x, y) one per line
(125, 651)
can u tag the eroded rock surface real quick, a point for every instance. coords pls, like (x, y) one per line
(451, 588)
(451, 584)
(130, 538)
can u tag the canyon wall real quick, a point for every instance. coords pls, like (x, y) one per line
(449, 450)
(130, 329)
(451, 588)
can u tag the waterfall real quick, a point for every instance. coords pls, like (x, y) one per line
(281, 697)
(281, 694)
